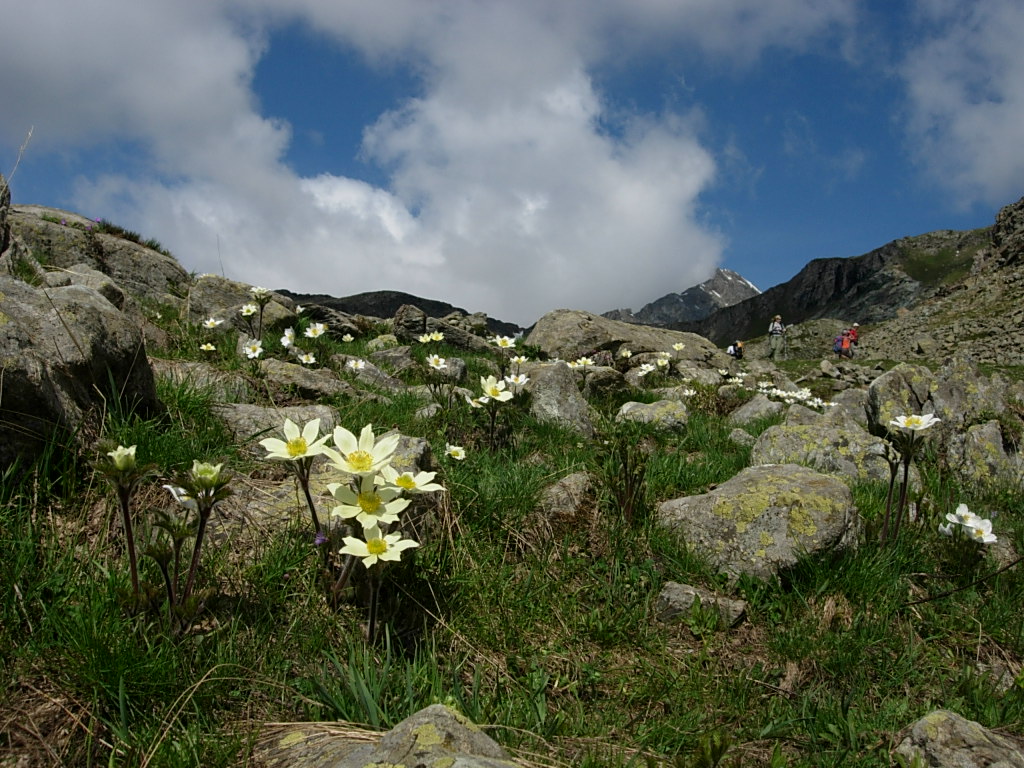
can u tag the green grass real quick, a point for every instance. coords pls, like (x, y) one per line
(544, 629)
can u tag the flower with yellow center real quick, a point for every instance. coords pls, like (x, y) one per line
(248, 310)
(377, 547)
(253, 349)
(289, 338)
(678, 346)
(517, 380)
(625, 352)
(584, 362)
(347, 338)
(495, 389)
(436, 336)
(437, 362)
(423, 338)
(421, 482)
(456, 452)
(297, 444)
(372, 506)
(307, 358)
(505, 342)
(211, 322)
(915, 423)
(315, 331)
(519, 359)
(365, 456)
(207, 347)
(355, 364)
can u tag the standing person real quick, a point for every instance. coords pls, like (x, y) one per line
(854, 333)
(845, 345)
(776, 331)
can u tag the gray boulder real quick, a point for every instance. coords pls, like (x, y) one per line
(757, 407)
(764, 519)
(68, 354)
(677, 600)
(848, 451)
(664, 414)
(944, 739)
(569, 334)
(555, 397)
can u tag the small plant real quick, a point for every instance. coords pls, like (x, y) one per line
(906, 442)
(120, 468)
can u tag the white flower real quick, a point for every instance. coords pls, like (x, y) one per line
(495, 389)
(624, 352)
(519, 359)
(307, 358)
(299, 309)
(914, 423)
(662, 362)
(457, 452)
(211, 322)
(946, 530)
(644, 369)
(423, 338)
(289, 338)
(259, 292)
(253, 349)
(421, 482)
(347, 338)
(723, 372)
(505, 342)
(962, 516)
(437, 362)
(678, 346)
(297, 444)
(436, 336)
(316, 330)
(477, 402)
(372, 506)
(207, 347)
(182, 497)
(377, 547)
(583, 362)
(517, 379)
(981, 531)
(248, 310)
(367, 455)
(356, 364)
(688, 392)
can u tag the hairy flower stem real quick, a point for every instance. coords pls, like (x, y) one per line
(893, 469)
(901, 506)
(204, 516)
(371, 624)
(124, 495)
(346, 571)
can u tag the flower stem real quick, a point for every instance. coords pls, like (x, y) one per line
(204, 516)
(124, 494)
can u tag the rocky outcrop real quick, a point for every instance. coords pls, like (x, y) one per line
(723, 289)
(944, 739)
(867, 289)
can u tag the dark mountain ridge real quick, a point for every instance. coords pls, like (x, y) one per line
(722, 289)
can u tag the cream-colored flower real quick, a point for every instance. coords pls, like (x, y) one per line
(915, 423)
(297, 444)
(423, 338)
(288, 339)
(421, 482)
(981, 531)
(347, 338)
(457, 452)
(377, 547)
(495, 389)
(367, 455)
(505, 342)
(248, 310)
(437, 362)
(307, 358)
(205, 475)
(212, 322)
(519, 359)
(962, 516)
(584, 362)
(625, 352)
(679, 346)
(644, 369)
(356, 364)
(477, 402)
(207, 347)
(517, 379)
(253, 349)
(372, 506)
(662, 362)
(436, 336)
(259, 292)
(315, 331)
(123, 458)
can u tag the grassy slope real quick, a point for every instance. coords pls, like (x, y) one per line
(550, 638)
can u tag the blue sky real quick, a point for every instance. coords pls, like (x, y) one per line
(515, 156)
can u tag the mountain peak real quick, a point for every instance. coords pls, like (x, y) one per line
(723, 289)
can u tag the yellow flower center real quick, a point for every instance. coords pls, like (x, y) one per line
(297, 446)
(493, 391)
(376, 546)
(369, 502)
(360, 461)
(405, 481)
(913, 421)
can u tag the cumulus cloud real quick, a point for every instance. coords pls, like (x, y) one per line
(966, 105)
(514, 186)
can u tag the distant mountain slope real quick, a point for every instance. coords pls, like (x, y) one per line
(385, 304)
(724, 289)
(867, 289)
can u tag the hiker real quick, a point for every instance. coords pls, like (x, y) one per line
(776, 337)
(842, 345)
(854, 333)
(735, 350)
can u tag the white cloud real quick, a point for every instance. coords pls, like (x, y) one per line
(507, 194)
(966, 104)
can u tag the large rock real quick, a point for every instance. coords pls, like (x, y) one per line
(848, 451)
(556, 398)
(66, 354)
(944, 739)
(764, 519)
(568, 334)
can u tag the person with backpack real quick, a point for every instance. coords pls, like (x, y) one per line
(776, 334)
(845, 345)
(735, 350)
(854, 334)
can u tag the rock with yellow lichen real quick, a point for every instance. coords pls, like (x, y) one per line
(944, 739)
(765, 518)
